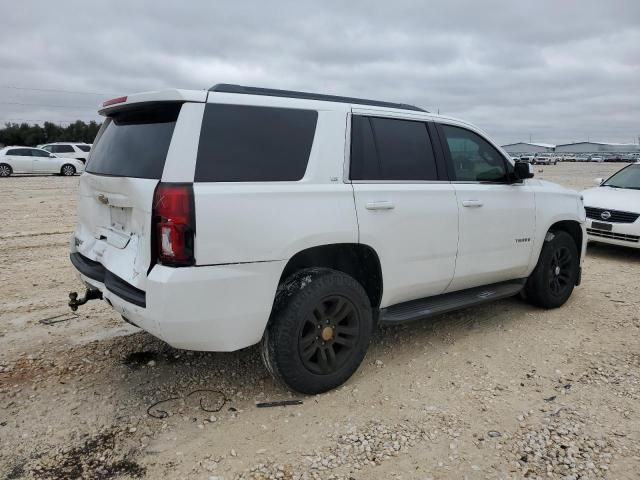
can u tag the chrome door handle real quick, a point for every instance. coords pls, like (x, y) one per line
(380, 205)
(472, 203)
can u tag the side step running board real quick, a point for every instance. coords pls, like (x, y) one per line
(429, 307)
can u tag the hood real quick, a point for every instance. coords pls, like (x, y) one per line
(625, 200)
(551, 186)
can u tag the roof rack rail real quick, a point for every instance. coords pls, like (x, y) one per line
(272, 92)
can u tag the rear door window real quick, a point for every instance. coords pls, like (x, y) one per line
(36, 152)
(84, 148)
(391, 149)
(135, 142)
(241, 143)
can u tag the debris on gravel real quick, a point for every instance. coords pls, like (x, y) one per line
(561, 447)
(98, 457)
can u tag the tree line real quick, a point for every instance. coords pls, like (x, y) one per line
(32, 135)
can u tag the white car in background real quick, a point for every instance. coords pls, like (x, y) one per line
(68, 150)
(544, 159)
(35, 160)
(613, 208)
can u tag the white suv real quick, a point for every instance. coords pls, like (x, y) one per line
(79, 151)
(219, 219)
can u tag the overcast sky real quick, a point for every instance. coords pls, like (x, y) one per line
(559, 71)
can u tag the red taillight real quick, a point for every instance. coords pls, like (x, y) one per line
(114, 101)
(174, 220)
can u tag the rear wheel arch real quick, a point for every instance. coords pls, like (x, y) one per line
(355, 259)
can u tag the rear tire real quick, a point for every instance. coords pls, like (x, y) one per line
(5, 170)
(319, 330)
(68, 170)
(552, 282)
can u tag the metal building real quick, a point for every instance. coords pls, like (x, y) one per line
(526, 147)
(593, 147)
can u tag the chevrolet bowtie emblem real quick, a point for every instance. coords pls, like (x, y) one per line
(103, 199)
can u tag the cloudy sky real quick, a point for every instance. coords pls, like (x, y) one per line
(557, 71)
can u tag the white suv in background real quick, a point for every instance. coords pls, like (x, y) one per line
(68, 150)
(219, 219)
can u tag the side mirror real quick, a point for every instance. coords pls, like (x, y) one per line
(597, 181)
(51, 155)
(522, 170)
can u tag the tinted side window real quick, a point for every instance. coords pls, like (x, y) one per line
(15, 151)
(391, 149)
(240, 143)
(36, 152)
(47, 148)
(474, 159)
(62, 149)
(84, 148)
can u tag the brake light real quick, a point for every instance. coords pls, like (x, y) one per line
(114, 101)
(174, 224)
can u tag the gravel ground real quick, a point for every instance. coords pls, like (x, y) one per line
(501, 391)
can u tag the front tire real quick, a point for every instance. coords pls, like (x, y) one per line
(319, 330)
(552, 282)
(5, 170)
(68, 170)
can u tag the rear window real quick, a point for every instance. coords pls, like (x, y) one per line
(134, 142)
(84, 148)
(21, 152)
(240, 143)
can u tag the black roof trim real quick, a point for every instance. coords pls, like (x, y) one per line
(272, 92)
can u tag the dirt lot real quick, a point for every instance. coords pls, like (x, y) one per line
(501, 391)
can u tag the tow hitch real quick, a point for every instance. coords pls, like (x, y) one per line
(90, 294)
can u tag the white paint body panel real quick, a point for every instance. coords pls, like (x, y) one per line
(416, 241)
(497, 230)
(264, 221)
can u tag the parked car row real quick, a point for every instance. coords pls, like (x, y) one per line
(19, 159)
(554, 158)
(537, 159)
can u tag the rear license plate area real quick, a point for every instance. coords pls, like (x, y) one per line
(119, 218)
(602, 226)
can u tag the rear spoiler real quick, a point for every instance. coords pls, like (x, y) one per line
(169, 95)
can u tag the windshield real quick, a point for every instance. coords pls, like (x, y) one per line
(628, 177)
